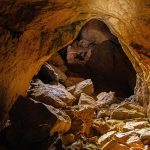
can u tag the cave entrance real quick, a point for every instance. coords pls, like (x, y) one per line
(97, 54)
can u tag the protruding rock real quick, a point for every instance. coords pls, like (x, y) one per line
(55, 95)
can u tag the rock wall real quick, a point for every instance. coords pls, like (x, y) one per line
(32, 30)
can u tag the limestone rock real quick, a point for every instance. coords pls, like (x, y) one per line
(86, 100)
(55, 95)
(85, 86)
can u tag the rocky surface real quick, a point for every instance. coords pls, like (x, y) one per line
(31, 31)
(51, 118)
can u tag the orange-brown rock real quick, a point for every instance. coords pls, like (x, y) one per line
(84, 113)
(86, 100)
(31, 31)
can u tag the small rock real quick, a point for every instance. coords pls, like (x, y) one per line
(85, 86)
(106, 138)
(106, 99)
(86, 99)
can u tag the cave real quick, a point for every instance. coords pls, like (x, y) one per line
(108, 66)
(74, 75)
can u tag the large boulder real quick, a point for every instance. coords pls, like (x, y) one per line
(55, 95)
(32, 121)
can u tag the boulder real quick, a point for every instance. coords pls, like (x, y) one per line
(33, 121)
(55, 95)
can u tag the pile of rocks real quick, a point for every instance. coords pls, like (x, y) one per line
(66, 114)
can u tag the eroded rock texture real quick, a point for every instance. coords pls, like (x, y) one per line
(31, 31)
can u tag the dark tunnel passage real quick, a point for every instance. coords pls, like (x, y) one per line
(97, 54)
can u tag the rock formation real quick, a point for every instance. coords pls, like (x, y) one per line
(32, 31)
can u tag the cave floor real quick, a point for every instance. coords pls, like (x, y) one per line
(67, 113)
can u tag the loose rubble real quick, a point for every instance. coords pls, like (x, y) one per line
(70, 116)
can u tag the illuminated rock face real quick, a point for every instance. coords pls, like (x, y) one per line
(32, 30)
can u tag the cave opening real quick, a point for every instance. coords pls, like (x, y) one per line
(97, 54)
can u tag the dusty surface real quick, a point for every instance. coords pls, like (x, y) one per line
(32, 30)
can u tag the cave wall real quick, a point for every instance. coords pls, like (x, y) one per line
(32, 30)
